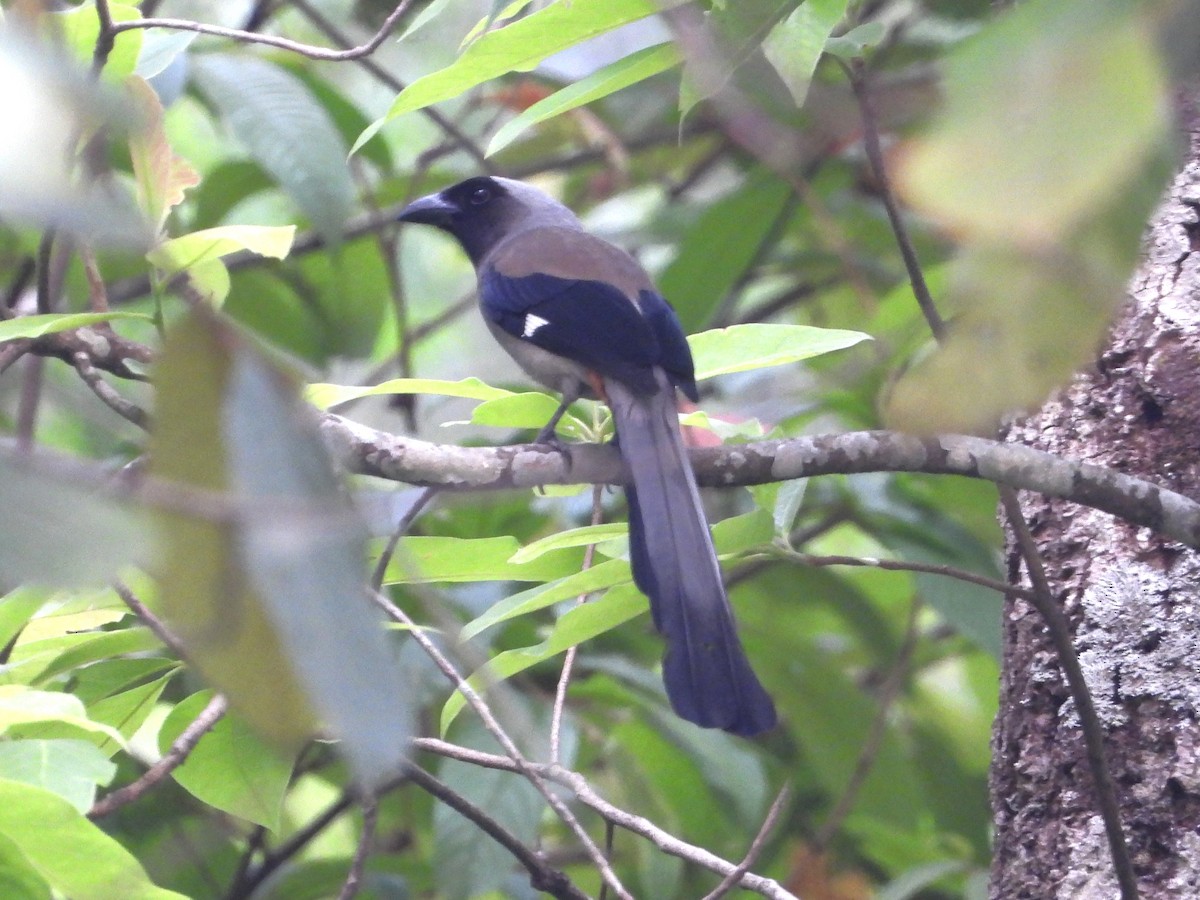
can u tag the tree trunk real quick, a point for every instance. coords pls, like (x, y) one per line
(1132, 599)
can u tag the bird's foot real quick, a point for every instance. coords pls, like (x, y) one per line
(549, 439)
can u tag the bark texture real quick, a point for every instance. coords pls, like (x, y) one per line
(1133, 601)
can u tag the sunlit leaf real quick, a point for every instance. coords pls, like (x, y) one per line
(580, 583)
(71, 769)
(324, 396)
(573, 537)
(526, 410)
(744, 348)
(230, 768)
(71, 853)
(199, 247)
(50, 323)
(128, 710)
(21, 706)
(795, 45)
(516, 47)
(580, 624)
(615, 76)
(446, 559)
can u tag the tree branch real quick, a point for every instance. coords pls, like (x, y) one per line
(172, 759)
(366, 451)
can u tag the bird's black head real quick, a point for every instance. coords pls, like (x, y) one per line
(480, 212)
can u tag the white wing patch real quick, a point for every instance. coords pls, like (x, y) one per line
(532, 324)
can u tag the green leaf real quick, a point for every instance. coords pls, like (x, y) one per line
(71, 853)
(160, 48)
(252, 601)
(419, 560)
(1003, 132)
(71, 769)
(621, 74)
(324, 396)
(517, 47)
(744, 348)
(85, 648)
(230, 768)
(80, 29)
(725, 241)
(308, 569)
(17, 877)
(736, 30)
(584, 581)
(286, 130)
(580, 624)
(795, 45)
(128, 710)
(852, 44)
(43, 518)
(23, 708)
(723, 428)
(572, 537)
(191, 250)
(16, 608)
(424, 17)
(51, 323)
(531, 409)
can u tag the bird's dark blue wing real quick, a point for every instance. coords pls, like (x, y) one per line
(590, 322)
(675, 354)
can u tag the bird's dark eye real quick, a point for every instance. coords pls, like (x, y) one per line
(480, 196)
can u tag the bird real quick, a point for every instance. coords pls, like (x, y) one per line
(582, 317)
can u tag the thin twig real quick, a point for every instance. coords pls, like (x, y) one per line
(564, 678)
(857, 73)
(175, 756)
(157, 627)
(452, 131)
(108, 395)
(250, 37)
(366, 838)
(614, 815)
(542, 876)
(1089, 722)
(97, 293)
(490, 722)
(245, 886)
(893, 565)
(730, 881)
(105, 39)
(398, 532)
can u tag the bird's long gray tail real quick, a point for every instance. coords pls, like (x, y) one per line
(708, 678)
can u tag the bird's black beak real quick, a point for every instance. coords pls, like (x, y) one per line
(431, 210)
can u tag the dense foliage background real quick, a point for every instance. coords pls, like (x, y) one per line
(820, 165)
